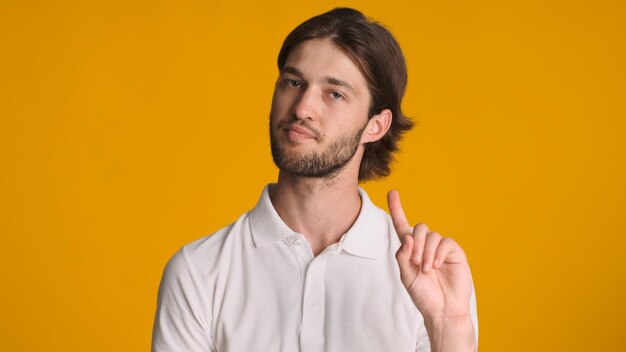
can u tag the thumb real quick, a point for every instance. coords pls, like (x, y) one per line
(403, 255)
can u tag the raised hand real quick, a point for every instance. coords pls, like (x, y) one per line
(435, 272)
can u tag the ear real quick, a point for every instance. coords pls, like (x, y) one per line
(377, 126)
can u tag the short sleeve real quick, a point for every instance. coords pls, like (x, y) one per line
(180, 324)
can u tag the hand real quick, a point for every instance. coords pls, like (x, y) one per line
(433, 269)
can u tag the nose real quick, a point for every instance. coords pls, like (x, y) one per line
(306, 107)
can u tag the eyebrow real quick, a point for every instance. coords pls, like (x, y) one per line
(327, 79)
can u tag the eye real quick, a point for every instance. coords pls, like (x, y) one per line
(294, 83)
(336, 95)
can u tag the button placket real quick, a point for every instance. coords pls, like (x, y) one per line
(312, 328)
(301, 254)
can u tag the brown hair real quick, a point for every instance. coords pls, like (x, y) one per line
(377, 54)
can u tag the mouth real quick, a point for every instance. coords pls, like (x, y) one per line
(299, 133)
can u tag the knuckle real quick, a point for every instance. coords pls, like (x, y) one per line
(421, 227)
(451, 241)
(435, 235)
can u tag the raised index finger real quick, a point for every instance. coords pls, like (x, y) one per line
(397, 214)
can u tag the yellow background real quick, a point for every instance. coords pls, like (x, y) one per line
(129, 128)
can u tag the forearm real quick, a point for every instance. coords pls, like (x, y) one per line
(451, 335)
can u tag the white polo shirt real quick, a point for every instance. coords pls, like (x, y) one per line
(256, 286)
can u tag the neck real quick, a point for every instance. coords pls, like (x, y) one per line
(320, 209)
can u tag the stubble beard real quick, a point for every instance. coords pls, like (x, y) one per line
(325, 164)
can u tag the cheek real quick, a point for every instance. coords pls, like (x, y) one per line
(281, 102)
(352, 117)
(274, 103)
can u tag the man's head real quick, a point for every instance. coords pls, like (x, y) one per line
(377, 58)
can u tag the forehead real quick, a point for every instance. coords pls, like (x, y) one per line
(321, 58)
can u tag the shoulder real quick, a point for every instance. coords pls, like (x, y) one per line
(204, 253)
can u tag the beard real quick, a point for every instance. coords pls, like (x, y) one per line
(316, 163)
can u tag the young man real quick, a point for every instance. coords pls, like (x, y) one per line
(315, 266)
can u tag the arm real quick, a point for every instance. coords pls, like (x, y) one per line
(435, 272)
(179, 324)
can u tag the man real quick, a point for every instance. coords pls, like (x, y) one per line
(315, 266)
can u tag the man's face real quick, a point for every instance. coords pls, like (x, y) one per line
(319, 110)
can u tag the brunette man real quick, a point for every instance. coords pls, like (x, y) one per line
(315, 266)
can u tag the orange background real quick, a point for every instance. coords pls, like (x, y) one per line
(129, 128)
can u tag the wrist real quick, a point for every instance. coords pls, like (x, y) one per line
(451, 334)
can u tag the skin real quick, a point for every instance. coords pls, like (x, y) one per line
(320, 97)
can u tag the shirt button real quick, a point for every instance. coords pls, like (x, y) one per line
(313, 304)
(296, 242)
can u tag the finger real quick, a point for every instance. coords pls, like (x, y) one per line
(450, 252)
(419, 236)
(403, 256)
(430, 247)
(400, 222)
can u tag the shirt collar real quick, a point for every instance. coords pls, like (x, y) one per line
(363, 239)
(266, 225)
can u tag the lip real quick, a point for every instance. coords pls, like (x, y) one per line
(299, 132)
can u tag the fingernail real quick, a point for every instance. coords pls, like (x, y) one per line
(437, 263)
